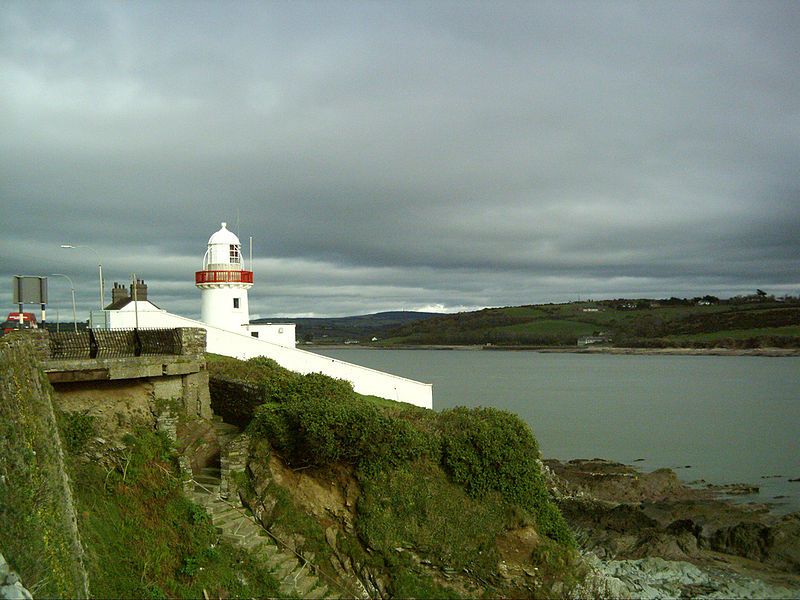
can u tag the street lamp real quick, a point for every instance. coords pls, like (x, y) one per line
(99, 266)
(72, 289)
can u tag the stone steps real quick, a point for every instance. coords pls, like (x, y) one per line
(234, 524)
(206, 488)
(225, 432)
(207, 479)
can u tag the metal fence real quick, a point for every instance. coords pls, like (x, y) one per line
(115, 343)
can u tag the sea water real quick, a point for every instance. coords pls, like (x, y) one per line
(722, 419)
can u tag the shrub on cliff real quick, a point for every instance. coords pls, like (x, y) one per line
(324, 422)
(489, 450)
(77, 428)
(316, 420)
(318, 386)
(417, 507)
(262, 378)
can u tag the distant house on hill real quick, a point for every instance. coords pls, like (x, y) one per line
(626, 306)
(589, 340)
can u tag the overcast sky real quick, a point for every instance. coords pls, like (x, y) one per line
(403, 155)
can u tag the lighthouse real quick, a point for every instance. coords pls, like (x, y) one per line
(224, 282)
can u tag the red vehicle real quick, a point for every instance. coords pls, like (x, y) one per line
(12, 322)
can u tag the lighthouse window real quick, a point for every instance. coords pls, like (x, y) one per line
(234, 253)
(235, 303)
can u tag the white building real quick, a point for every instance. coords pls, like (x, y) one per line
(223, 284)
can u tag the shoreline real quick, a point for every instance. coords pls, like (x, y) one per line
(769, 352)
(629, 517)
(742, 495)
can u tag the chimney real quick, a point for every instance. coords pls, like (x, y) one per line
(141, 290)
(118, 292)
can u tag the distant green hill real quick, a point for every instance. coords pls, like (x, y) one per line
(340, 329)
(742, 322)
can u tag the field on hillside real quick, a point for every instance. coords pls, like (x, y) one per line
(749, 323)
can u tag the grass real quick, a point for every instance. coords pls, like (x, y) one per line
(392, 405)
(145, 539)
(531, 312)
(417, 508)
(552, 327)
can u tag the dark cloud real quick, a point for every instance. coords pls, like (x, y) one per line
(405, 155)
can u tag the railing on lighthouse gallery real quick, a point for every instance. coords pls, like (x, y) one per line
(201, 277)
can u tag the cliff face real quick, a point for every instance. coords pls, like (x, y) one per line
(38, 531)
(390, 500)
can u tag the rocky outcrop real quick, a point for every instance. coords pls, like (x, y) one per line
(11, 587)
(648, 535)
(655, 577)
(332, 506)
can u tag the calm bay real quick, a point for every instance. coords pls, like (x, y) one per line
(723, 419)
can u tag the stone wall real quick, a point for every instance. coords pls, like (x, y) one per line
(180, 378)
(39, 533)
(193, 341)
(233, 462)
(38, 340)
(196, 397)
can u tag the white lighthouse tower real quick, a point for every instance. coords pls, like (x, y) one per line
(224, 282)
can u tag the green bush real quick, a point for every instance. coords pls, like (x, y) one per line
(77, 428)
(486, 450)
(316, 386)
(337, 427)
(317, 421)
(238, 387)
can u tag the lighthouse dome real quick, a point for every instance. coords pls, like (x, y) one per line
(224, 251)
(223, 236)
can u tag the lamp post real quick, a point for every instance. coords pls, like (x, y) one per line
(72, 289)
(99, 267)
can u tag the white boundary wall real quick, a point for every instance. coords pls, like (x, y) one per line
(220, 341)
